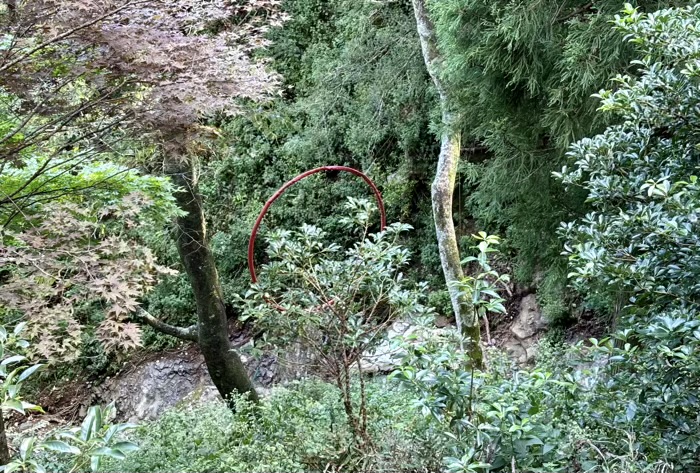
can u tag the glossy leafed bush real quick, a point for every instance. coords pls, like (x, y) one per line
(336, 303)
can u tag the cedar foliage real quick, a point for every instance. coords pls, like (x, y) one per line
(526, 72)
(355, 93)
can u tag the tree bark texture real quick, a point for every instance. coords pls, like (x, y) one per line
(442, 189)
(223, 363)
(4, 449)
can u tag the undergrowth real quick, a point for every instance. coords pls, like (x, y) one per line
(300, 427)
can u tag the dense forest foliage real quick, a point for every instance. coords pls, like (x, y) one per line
(529, 154)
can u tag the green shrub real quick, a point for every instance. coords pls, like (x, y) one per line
(440, 301)
(335, 303)
(490, 420)
(210, 437)
(297, 428)
(592, 408)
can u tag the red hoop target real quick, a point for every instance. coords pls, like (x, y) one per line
(281, 190)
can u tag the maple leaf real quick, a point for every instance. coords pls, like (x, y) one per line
(46, 284)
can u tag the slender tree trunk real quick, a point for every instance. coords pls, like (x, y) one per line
(4, 449)
(443, 187)
(223, 362)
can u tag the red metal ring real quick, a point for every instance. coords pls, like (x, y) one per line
(281, 190)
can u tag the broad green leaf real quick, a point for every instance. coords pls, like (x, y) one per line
(109, 452)
(28, 406)
(95, 463)
(28, 372)
(12, 467)
(126, 447)
(19, 328)
(26, 448)
(631, 410)
(88, 425)
(60, 446)
(14, 404)
(13, 359)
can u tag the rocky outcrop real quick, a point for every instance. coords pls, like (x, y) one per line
(386, 356)
(525, 331)
(149, 388)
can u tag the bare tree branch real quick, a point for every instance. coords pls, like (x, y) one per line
(183, 333)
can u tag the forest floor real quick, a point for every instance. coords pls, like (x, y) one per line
(152, 381)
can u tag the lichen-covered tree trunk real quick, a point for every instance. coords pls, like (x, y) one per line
(443, 187)
(223, 362)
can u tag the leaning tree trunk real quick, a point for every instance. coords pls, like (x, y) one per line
(443, 186)
(223, 362)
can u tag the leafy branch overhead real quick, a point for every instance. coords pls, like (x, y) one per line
(177, 59)
(96, 79)
(83, 79)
